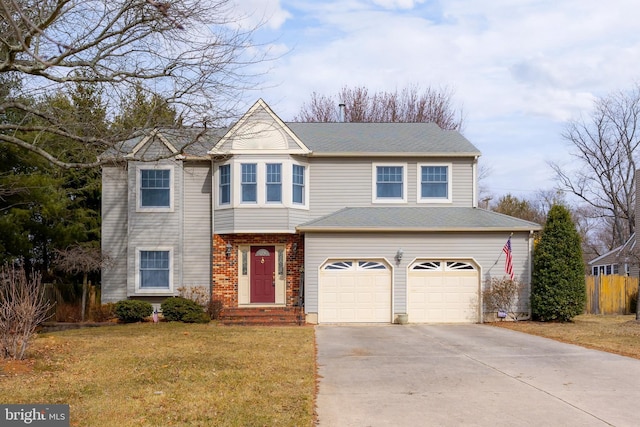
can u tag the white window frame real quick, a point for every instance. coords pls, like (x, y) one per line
(155, 291)
(219, 185)
(304, 185)
(449, 198)
(374, 184)
(256, 183)
(281, 173)
(139, 207)
(286, 183)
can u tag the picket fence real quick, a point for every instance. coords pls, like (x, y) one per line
(611, 294)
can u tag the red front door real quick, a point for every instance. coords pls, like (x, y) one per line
(263, 277)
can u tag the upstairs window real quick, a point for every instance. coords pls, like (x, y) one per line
(435, 183)
(225, 184)
(390, 183)
(249, 184)
(155, 188)
(298, 184)
(274, 182)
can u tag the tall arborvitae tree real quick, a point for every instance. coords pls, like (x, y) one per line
(558, 282)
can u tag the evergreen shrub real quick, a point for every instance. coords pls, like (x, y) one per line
(179, 309)
(132, 310)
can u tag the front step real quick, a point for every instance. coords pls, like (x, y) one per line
(262, 316)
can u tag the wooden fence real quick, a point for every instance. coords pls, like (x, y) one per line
(611, 294)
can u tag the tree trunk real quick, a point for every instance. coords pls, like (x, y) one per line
(84, 297)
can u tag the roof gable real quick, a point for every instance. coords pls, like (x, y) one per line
(259, 131)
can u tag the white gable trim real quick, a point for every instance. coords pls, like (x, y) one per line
(235, 129)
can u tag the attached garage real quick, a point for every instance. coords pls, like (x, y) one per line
(443, 291)
(352, 290)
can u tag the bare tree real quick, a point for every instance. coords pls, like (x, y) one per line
(22, 308)
(79, 259)
(194, 54)
(605, 149)
(411, 105)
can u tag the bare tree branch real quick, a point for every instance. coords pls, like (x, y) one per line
(605, 148)
(194, 54)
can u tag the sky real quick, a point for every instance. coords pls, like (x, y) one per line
(519, 69)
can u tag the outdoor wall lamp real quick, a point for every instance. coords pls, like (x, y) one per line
(294, 248)
(399, 255)
(228, 251)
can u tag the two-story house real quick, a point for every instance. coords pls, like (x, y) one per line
(349, 222)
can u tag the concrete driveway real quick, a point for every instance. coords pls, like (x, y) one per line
(473, 375)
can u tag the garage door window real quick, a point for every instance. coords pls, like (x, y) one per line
(427, 265)
(457, 265)
(340, 265)
(371, 265)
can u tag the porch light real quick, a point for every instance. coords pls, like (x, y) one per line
(399, 255)
(294, 248)
(228, 251)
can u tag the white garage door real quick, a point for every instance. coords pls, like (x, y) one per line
(443, 292)
(354, 291)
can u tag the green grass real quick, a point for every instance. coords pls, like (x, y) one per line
(171, 374)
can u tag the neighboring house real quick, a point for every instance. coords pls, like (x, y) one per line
(348, 222)
(618, 261)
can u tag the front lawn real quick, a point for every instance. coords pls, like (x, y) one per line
(615, 334)
(170, 374)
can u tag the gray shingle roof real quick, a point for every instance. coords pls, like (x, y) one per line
(331, 139)
(326, 138)
(406, 218)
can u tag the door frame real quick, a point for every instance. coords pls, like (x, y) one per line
(244, 274)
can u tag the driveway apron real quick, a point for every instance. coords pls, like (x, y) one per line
(468, 375)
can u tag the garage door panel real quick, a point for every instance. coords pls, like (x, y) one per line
(443, 291)
(354, 291)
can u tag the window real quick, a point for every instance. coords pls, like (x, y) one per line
(434, 183)
(225, 184)
(298, 184)
(155, 270)
(249, 184)
(389, 183)
(274, 182)
(155, 188)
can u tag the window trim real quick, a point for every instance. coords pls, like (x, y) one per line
(374, 183)
(294, 184)
(159, 291)
(241, 183)
(286, 184)
(139, 207)
(228, 186)
(267, 183)
(421, 199)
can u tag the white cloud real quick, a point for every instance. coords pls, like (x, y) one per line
(519, 69)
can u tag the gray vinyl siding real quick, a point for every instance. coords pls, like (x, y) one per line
(483, 248)
(114, 233)
(336, 183)
(197, 224)
(259, 220)
(152, 230)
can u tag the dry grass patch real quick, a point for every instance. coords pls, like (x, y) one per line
(171, 374)
(615, 334)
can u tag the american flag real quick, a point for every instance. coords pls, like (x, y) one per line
(508, 263)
